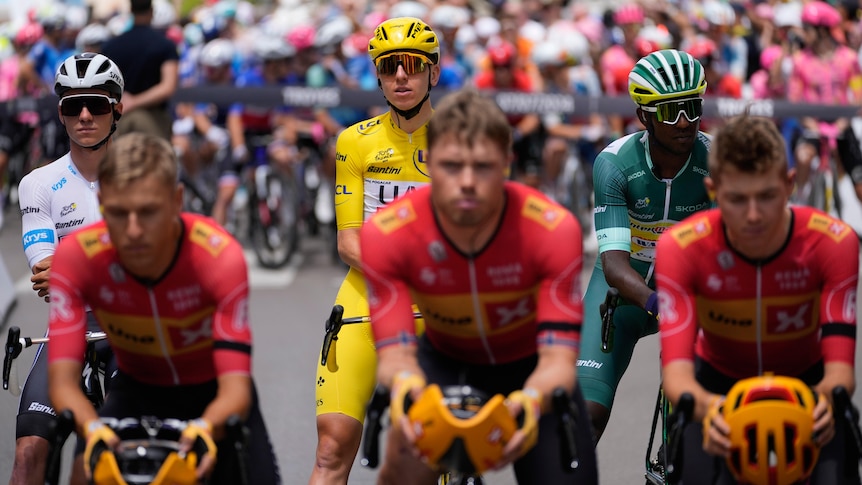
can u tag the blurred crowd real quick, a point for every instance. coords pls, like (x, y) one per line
(801, 50)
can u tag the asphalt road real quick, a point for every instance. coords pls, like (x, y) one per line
(288, 309)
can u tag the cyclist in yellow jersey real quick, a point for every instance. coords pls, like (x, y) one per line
(377, 161)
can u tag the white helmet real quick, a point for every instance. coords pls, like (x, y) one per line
(717, 12)
(217, 53)
(89, 70)
(548, 53)
(575, 45)
(269, 48)
(334, 31)
(164, 14)
(92, 35)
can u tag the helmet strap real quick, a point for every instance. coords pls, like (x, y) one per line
(408, 114)
(105, 139)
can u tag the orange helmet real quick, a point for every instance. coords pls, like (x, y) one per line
(460, 429)
(771, 430)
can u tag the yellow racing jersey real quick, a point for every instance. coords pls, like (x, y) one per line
(377, 162)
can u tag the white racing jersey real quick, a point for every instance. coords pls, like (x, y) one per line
(55, 200)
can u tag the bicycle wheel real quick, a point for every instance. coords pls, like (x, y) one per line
(275, 214)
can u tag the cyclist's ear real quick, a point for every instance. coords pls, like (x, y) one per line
(117, 115)
(642, 116)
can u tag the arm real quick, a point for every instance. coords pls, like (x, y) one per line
(41, 274)
(66, 325)
(157, 94)
(620, 275)
(556, 368)
(348, 246)
(613, 230)
(349, 198)
(233, 397)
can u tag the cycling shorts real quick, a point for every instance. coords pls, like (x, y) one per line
(542, 464)
(599, 373)
(347, 381)
(36, 415)
(133, 398)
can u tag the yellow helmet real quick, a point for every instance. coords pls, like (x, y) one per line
(771, 422)
(460, 429)
(404, 34)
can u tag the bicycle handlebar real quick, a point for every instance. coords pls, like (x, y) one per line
(373, 427)
(845, 408)
(333, 326)
(15, 343)
(606, 309)
(678, 419)
(564, 408)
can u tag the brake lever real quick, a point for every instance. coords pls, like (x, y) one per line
(373, 426)
(332, 326)
(13, 350)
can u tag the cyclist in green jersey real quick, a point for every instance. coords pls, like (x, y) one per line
(644, 183)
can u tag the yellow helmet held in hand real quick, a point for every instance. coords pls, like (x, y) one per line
(460, 429)
(771, 422)
(404, 34)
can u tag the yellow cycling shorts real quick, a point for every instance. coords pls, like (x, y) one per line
(346, 383)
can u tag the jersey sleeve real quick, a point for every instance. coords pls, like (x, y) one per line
(675, 286)
(613, 229)
(559, 311)
(38, 235)
(349, 187)
(389, 298)
(232, 341)
(67, 319)
(839, 251)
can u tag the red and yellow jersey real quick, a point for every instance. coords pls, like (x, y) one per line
(518, 293)
(377, 162)
(188, 327)
(781, 315)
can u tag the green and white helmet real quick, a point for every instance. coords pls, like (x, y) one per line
(666, 74)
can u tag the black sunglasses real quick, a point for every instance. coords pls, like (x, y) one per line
(97, 104)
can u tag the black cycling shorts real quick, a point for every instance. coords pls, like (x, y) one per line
(130, 398)
(36, 415)
(543, 464)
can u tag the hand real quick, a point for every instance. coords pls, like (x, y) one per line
(41, 274)
(404, 382)
(239, 154)
(199, 433)
(716, 431)
(824, 422)
(98, 435)
(652, 305)
(526, 403)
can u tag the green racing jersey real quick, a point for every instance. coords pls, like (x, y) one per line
(633, 206)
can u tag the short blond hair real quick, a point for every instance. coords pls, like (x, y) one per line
(133, 156)
(468, 115)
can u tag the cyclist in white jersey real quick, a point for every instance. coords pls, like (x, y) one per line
(56, 200)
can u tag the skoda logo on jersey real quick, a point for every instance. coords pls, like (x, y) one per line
(419, 162)
(59, 185)
(642, 203)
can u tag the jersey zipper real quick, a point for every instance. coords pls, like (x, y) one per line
(759, 321)
(158, 321)
(667, 191)
(477, 310)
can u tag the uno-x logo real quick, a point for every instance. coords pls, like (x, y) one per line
(796, 320)
(508, 315)
(191, 336)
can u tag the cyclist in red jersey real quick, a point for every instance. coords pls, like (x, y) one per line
(171, 292)
(752, 287)
(494, 267)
